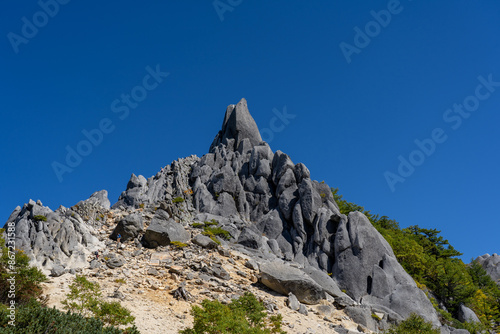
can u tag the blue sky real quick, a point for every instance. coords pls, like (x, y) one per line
(363, 80)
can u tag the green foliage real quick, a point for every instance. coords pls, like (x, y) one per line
(34, 318)
(472, 327)
(216, 231)
(113, 314)
(413, 325)
(85, 299)
(451, 283)
(14, 267)
(432, 262)
(178, 244)
(141, 205)
(178, 200)
(213, 222)
(38, 218)
(244, 315)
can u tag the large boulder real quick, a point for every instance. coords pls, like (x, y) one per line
(325, 281)
(367, 268)
(250, 238)
(163, 230)
(129, 227)
(491, 263)
(465, 314)
(285, 279)
(204, 241)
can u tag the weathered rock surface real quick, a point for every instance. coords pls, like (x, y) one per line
(61, 238)
(238, 125)
(129, 227)
(163, 230)
(167, 184)
(285, 279)
(204, 241)
(491, 263)
(367, 268)
(465, 314)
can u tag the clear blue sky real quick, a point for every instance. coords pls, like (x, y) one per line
(352, 120)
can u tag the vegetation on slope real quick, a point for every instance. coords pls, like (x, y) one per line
(23, 310)
(245, 315)
(433, 264)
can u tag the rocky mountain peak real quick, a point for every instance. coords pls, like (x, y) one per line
(270, 209)
(238, 125)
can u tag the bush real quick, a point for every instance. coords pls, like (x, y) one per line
(178, 200)
(85, 299)
(244, 315)
(413, 325)
(178, 244)
(34, 318)
(38, 218)
(213, 222)
(216, 231)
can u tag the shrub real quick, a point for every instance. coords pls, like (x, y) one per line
(141, 205)
(198, 225)
(38, 218)
(216, 231)
(413, 325)
(244, 315)
(178, 200)
(85, 299)
(178, 244)
(213, 222)
(34, 318)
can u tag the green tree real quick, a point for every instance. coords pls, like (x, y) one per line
(27, 278)
(244, 315)
(451, 283)
(413, 325)
(85, 298)
(35, 318)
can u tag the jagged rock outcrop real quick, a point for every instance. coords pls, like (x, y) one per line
(55, 239)
(238, 125)
(242, 178)
(491, 263)
(170, 182)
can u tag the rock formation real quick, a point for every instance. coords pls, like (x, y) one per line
(288, 223)
(491, 263)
